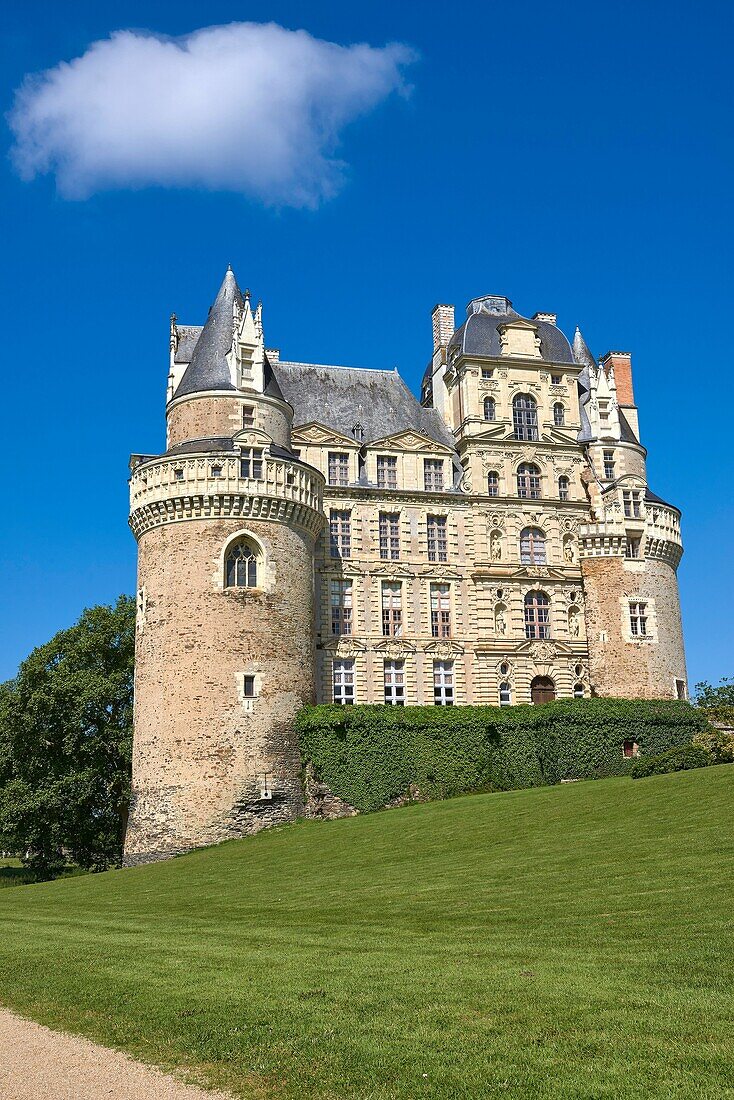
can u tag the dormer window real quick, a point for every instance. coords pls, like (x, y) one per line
(358, 432)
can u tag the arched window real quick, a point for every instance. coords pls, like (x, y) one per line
(559, 414)
(532, 546)
(490, 409)
(493, 483)
(578, 691)
(528, 481)
(563, 487)
(240, 566)
(537, 615)
(525, 416)
(505, 694)
(542, 690)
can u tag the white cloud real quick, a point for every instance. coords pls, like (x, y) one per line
(246, 107)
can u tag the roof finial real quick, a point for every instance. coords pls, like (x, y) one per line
(247, 294)
(229, 267)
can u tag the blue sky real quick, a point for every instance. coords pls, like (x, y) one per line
(575, 157)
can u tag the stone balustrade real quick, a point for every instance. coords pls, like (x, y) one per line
(179, 487)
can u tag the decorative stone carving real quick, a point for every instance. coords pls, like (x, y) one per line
(542, 651)
(500, 619)
(495, 546)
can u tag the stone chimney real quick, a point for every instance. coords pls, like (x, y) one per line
(620, 363)
(549, 318)
(443, 326)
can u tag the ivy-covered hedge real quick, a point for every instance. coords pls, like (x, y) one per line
(680, 759)
(372, 755)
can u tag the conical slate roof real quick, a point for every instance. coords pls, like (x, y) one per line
(581, 351)
(208, 369)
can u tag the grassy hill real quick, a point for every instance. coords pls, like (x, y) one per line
(571, 941)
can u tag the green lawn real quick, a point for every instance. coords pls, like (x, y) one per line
(571, 941)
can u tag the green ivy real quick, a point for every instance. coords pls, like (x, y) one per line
(372, 755)
(680, 759)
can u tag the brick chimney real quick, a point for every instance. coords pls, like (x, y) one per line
(443, 326)
(621, 364)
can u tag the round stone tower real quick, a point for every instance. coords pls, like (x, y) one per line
(629, 549)
(226, 521)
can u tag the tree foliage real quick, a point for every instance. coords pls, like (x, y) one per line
(66, 744)
(721, 695)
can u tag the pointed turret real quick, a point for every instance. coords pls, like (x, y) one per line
(581, 351)
(209, 368)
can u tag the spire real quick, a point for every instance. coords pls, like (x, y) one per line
(209, 368)
(581, 351)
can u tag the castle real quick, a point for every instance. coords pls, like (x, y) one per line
(315, 533)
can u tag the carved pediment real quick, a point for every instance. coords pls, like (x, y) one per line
(392, 569)
(319, 434)
(538, 572)
(443, 649)
(441, 573)
(344, 646)
(251, 437)
(393, 649)
(408, 440)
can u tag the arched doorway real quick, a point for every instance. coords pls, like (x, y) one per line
(542, 690)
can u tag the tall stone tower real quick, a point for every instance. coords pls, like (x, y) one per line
(630, 548)
(226, 521)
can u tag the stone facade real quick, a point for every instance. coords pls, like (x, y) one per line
(495, 544)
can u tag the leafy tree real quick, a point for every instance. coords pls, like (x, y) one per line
(721, 696)
(66, 743)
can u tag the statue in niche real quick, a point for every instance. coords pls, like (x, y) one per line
(500, 620)
(569, 550)
(495, 546)
(574, 626)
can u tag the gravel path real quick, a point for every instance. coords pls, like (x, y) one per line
(39, 1064)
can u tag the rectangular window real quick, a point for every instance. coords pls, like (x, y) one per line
(437, 538)
(251, 462)
(392, 608)
(248, 687)
(341, 607)
(248, 416)
(178, 475)
(395, 683)
(638, 619)
(680, 689)
(493, 484)
(443, 683)
(609, 465)
(440, 611)
(632, 549)
(338, 468)
(432, 473)
(387, 471)
(340, 534)
(556, 379)
(389, 531)
(343, 682)
(631, 501)
(487, 372)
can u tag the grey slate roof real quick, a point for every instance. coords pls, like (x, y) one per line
(208, 369)
(479, 335)
(205, 349)
(187, 338)
(340, 397)
(581, 351)
(653, 498)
